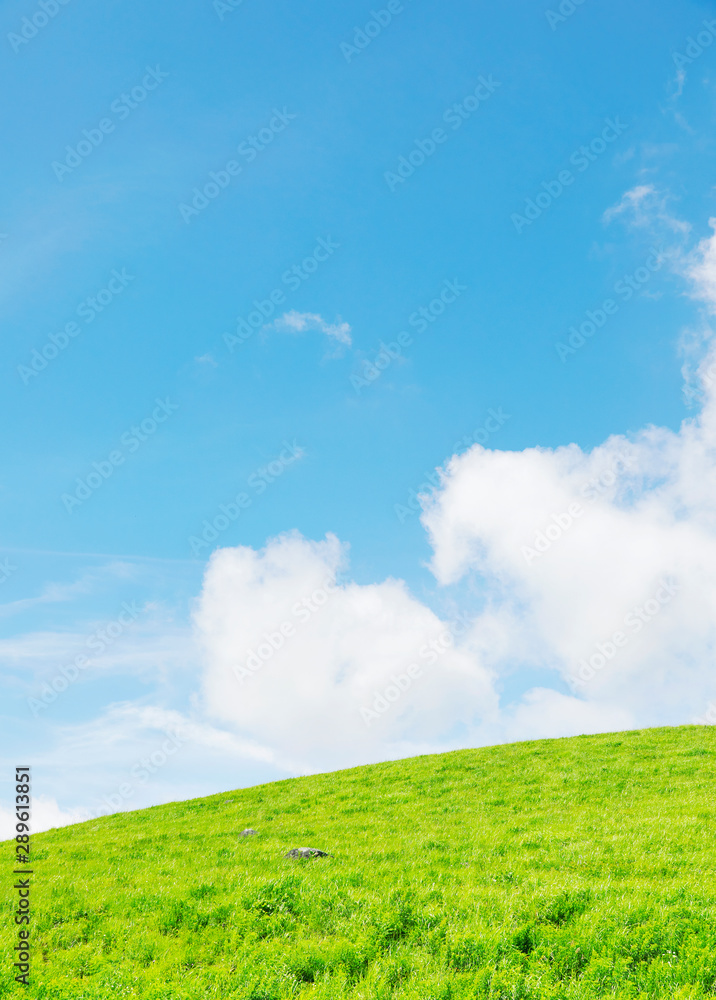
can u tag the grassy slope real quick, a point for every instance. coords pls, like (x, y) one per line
(565, 868)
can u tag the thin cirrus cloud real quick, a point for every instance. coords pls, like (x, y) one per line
(142, 755)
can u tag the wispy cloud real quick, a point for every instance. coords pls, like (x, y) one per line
(123, 743)
(643, 207)
(298, 322)
(206, 359)
(53, 593)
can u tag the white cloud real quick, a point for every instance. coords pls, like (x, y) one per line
(302, 669)
(150, 646)
(679, 83)
(343, 646)
(207, 359)
(565, 581)
(140, 755)
(46, 815)
(701, 269)
(645, 208)
(297, 322)
(53, 593)
(128, 730)
(617, 597)
(565, 584)
(631, 201)
(547, 714)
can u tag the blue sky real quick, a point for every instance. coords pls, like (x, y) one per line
(140, 293)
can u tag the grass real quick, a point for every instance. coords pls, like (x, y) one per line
(574, 868)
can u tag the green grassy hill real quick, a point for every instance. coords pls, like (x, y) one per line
(572, 868)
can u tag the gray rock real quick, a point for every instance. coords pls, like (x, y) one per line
(307, 852)
(248, 832)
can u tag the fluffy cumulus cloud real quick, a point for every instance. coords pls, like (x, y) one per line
(333, 673)
(602, 565)
(597, 566)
